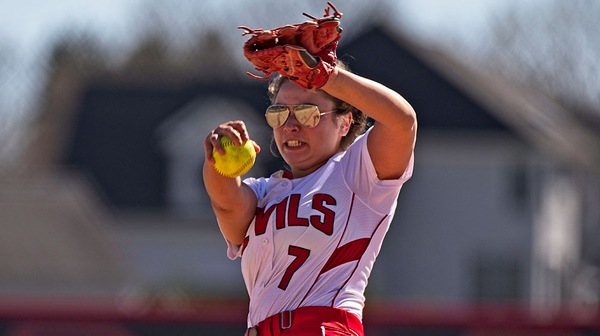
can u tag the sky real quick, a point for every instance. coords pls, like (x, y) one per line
(27, 24)
(28, 27)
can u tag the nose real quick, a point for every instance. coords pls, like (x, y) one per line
(291, 124)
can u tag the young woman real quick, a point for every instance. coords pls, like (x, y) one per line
(308, 236)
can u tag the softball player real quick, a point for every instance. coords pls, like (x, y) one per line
(308, 236)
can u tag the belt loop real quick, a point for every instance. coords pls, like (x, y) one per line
(285, 323)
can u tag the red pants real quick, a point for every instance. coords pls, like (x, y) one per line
(308, 321)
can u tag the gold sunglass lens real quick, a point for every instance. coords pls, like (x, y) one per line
(277, 115)
(307, 115)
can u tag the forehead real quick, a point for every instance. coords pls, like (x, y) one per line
(290, 93)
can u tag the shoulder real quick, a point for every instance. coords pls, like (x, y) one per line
(265, 185)
(356, 149)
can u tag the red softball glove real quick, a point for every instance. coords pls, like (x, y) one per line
(305, 52)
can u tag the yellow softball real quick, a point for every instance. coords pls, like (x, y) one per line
(237, 160)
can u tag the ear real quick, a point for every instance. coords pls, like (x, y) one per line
(344, 122)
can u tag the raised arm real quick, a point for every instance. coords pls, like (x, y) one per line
(233, 202)
(392, 139)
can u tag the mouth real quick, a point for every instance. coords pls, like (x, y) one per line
(294, 143)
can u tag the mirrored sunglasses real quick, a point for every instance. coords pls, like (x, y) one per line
(307, 115)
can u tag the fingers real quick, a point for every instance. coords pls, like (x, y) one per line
(208, 147)
(256, 147)
(234, 130)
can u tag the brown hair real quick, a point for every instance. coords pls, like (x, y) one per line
(359, 119)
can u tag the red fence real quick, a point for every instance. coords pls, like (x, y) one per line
(100, 317)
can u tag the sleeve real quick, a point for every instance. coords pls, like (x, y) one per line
(233, 251)
(361, 177)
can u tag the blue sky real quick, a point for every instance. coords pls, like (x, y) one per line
(27, 24)
(27, 28)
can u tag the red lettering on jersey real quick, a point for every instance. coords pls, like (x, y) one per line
(280, 219)
(262, 217)
(293, 219)
(318, 203)
(288, 209)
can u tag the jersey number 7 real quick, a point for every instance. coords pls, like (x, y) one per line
(301, 255)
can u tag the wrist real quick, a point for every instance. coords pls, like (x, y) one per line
(331, 80)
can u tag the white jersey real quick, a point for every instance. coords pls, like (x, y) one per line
(313, 240)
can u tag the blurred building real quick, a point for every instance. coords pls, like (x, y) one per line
(502, 206)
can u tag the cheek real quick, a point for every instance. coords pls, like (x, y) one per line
(327, 136)
(277, 137)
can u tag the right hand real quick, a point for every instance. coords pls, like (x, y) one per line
(234, 130)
